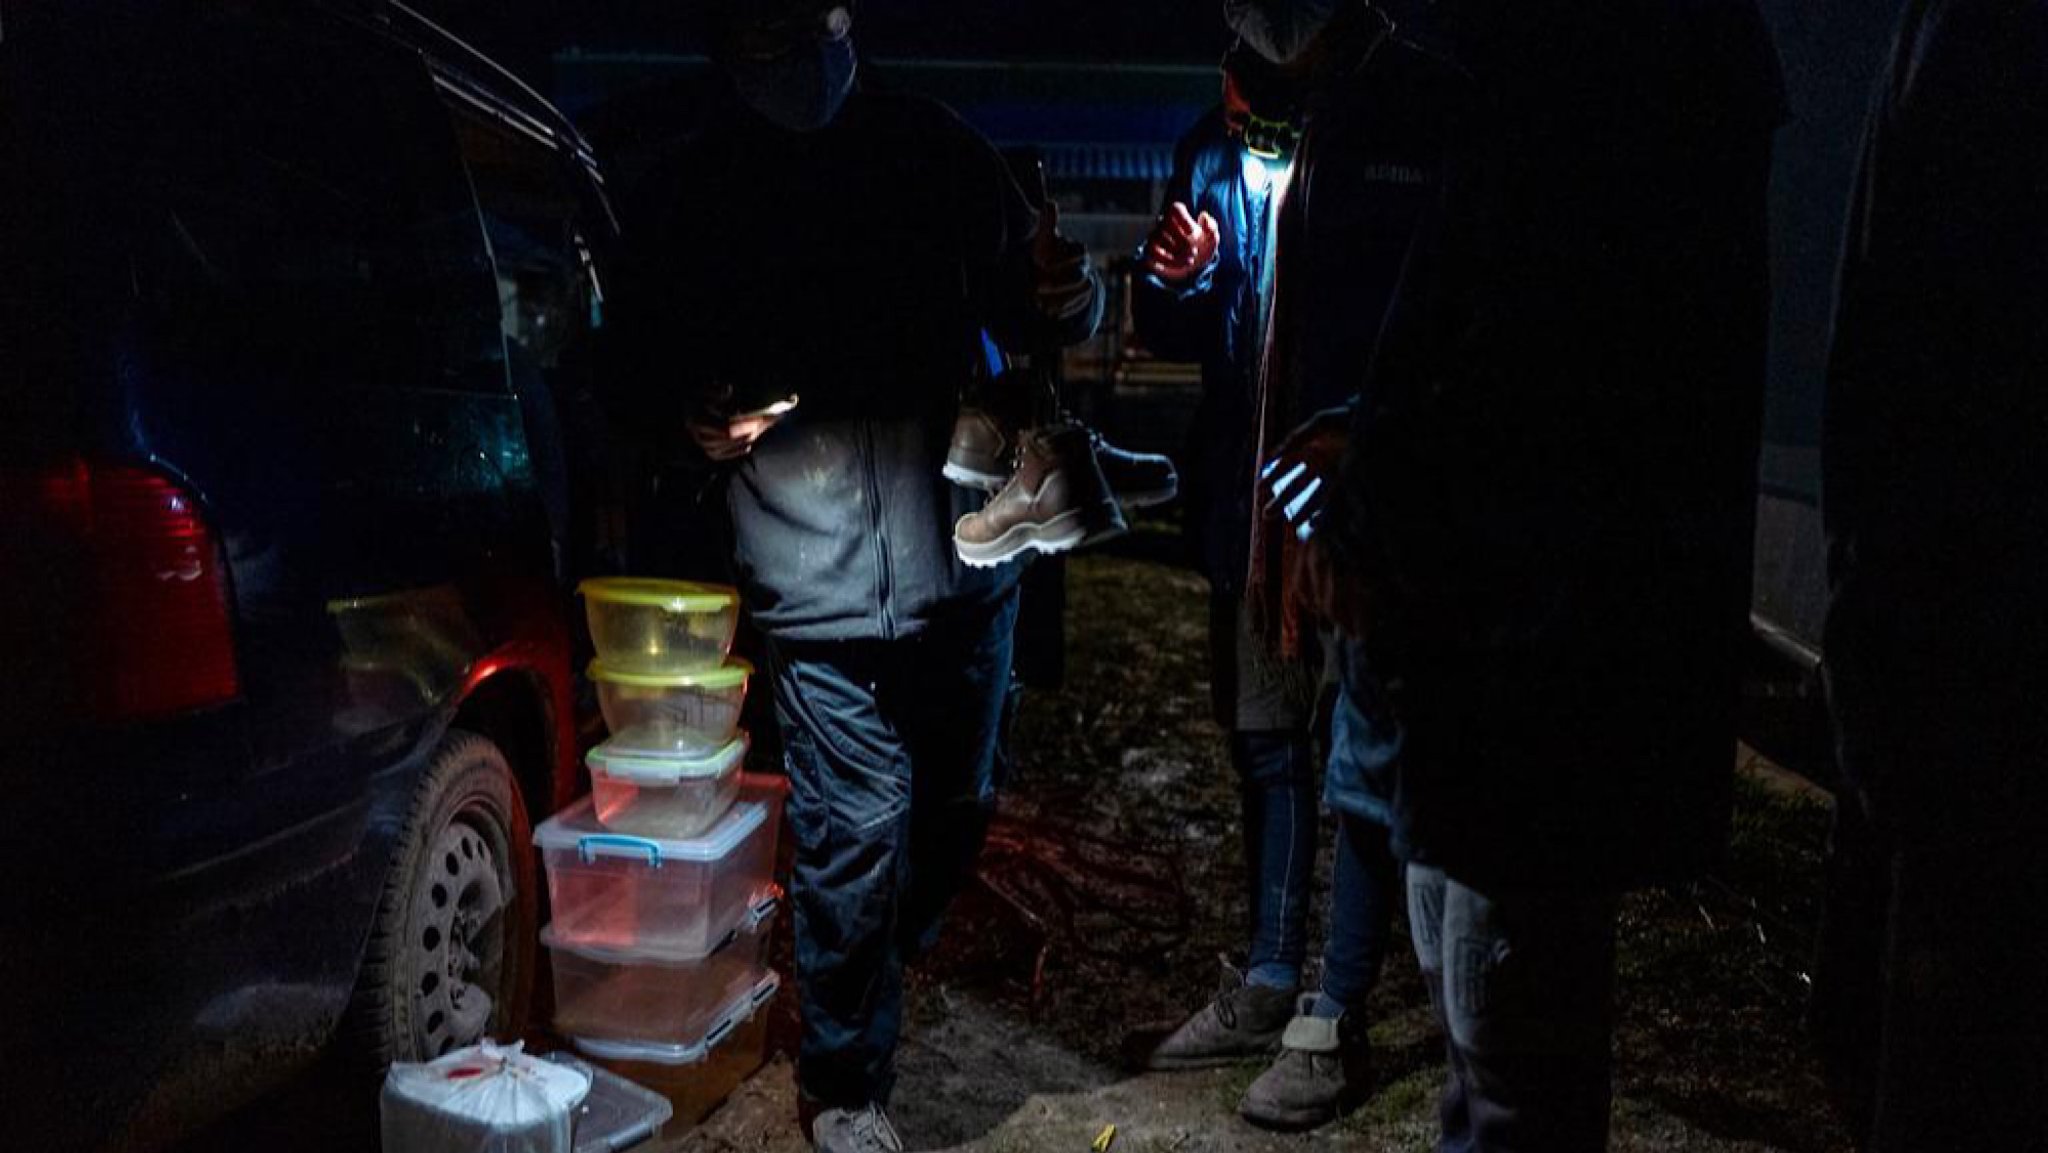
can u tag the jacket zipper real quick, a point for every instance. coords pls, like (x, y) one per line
(883, 577)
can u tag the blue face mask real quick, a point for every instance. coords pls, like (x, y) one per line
(802, 89)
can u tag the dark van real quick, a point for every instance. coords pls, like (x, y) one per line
(293, 297)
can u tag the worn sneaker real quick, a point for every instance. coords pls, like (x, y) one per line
(1055, 501)
(1324, 1071)
(1244, 1021)
(865, 1130)
(1139, 479)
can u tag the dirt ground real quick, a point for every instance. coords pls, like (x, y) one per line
(1114, 879)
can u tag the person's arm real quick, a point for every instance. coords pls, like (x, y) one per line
(1032, 287)
(1417, 285)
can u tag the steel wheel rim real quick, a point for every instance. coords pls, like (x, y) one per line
(457, 937)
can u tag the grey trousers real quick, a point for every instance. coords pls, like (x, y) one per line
(1523, 987)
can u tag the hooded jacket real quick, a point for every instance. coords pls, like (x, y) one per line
(1551, 481)
(857, 267)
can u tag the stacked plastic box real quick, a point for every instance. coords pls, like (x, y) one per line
(662, 881)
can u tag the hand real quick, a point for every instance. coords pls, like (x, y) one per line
(1298, 480)
(1181, 247)
(1059, 268)
(719, 435)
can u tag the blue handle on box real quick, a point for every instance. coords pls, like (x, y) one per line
(653, 848)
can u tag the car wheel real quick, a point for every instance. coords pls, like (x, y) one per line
(450, 957)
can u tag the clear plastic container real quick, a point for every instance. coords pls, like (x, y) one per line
(673, 896)
(696, 1074)
(634, 995)
(616, 1114)
(664, 797)
(671, 714)
(642, 625)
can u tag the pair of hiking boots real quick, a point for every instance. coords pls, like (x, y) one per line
(1321, 1066)
(1058, 485)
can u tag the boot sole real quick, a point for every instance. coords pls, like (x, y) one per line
(1063, 533)
(1302, 1120)
(1197, 1064)
(1149, 498)
(974, 478)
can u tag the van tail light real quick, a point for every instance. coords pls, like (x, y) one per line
(150, 606)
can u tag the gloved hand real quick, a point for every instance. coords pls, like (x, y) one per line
(1299, 478)
(1182, 246)
(1296, 485)
(1059, 269)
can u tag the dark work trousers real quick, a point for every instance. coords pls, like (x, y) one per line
(1929, 996)
(1523, 987)
(891, 750)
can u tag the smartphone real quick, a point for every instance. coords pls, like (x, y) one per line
(779, 408)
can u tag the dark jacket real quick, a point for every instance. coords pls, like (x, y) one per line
(1551, 480)
(1336, 244)
(1215, 322)
(856, 267)
(1936, 452)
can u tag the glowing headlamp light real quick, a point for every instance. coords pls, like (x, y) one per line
(1269, 139)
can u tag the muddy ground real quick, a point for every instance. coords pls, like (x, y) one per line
(1114, 879)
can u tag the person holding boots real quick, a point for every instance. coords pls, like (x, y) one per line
(819, 279)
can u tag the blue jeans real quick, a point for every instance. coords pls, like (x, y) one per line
(1523, 987)
(1277, 774)
(891, 751)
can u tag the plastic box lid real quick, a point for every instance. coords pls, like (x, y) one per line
(730, 675)
(687, 1052)
(758, 915)
(616, 1114)
(643, 769)
(668, 595)
(576, 830)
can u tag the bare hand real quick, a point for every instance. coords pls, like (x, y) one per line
(720, 436)
(1182, 246)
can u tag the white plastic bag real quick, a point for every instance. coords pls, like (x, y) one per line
(483, 1099)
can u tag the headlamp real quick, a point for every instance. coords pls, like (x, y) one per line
(1269, 139)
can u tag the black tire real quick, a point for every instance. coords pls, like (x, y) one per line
(451, 954)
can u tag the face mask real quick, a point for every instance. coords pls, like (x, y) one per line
(801, 89)
(1279, 30)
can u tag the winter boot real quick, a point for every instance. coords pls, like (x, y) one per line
(988, 432)
(1055, 501)
(1244, 1021)
(855, 1131)
(1324, 1071)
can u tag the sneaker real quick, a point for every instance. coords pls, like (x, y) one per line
(865, 1130)
(1244, 1021)
(1139, 479)
(1055, 501)
(1324, 1071)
